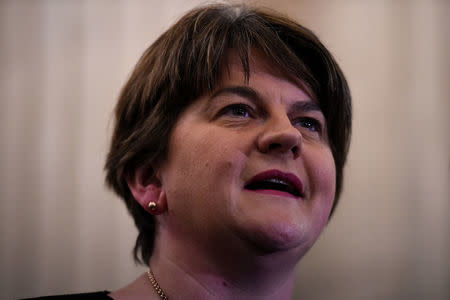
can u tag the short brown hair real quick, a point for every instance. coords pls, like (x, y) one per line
(186, 62)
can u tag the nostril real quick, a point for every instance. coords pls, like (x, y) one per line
(296, 151)
(274, 146)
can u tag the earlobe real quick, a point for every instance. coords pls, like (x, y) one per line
(147, 190)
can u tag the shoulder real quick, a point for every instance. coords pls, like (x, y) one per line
(85, 296)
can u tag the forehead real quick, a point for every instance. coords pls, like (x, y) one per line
(233, 70)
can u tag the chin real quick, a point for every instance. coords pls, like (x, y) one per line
(272, 237)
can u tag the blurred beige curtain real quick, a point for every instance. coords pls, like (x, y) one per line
(62, 66)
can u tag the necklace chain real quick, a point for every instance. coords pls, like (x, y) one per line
(155, 285)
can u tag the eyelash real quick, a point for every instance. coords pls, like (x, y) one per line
(238, 109)
(233, 110)
(311, 124)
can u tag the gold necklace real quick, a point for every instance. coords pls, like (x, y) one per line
(155, 285)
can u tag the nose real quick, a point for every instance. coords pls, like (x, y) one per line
(280, 137)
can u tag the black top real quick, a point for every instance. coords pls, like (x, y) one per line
(85, 296)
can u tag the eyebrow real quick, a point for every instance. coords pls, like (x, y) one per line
(242, 91)
(306, 106)
(249, 93)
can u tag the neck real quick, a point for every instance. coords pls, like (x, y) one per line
(235, 272)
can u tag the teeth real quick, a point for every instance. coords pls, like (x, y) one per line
(276, 180)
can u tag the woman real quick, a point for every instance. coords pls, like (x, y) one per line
(228, 149)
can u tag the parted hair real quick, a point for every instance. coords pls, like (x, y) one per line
(186, 62)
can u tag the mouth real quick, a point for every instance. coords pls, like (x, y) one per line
(275, 181)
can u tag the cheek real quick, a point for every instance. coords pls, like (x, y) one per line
(203, 163)
(323, 183)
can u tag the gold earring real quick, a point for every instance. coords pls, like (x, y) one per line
(152, 205)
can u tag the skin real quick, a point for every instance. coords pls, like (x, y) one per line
(215, 238)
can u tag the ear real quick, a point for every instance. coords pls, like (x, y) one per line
(146, 188)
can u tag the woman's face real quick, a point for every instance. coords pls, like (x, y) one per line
(250, 163)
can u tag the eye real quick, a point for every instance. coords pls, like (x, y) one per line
(310, 124)
(239, 110)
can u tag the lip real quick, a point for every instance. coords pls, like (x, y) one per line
(290, 178)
